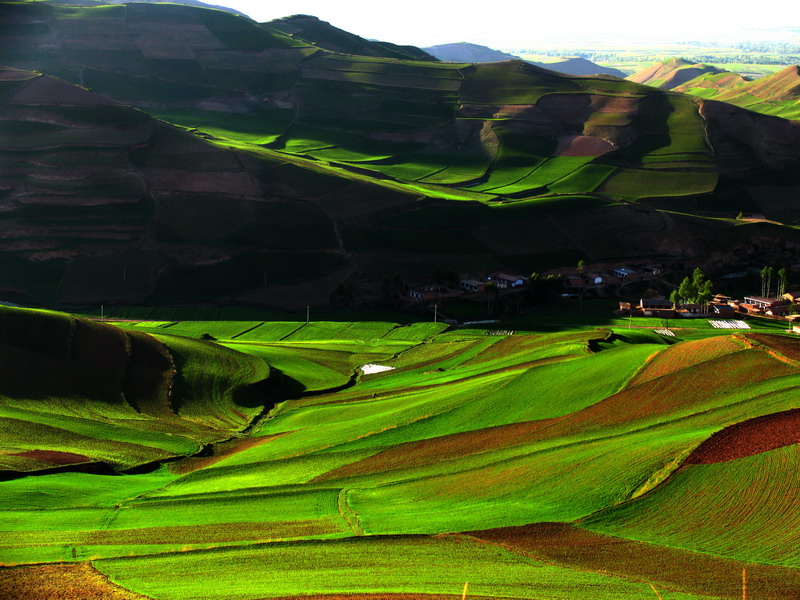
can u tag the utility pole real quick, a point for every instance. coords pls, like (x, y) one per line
(435, 313)
(102, 313)
(308, 314)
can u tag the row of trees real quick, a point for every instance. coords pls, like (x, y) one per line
(767, 274)
(696, 289)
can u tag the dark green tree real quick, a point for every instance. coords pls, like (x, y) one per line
(675, 298)
(782, 277)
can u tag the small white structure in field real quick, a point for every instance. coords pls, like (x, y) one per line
(371, 368)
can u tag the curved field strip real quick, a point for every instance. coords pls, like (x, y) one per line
(745, 509)
(296, 512)
(459, 174)
(239, 471)
(583, 180)
(401, 567)
(521, 395)
(683, 356)
(668, 569)
(537, 483)
(786, 346)
(682, 393)
(416, 332)
(748, 438)
(218, 329)
(642, 183)
(546, 173)
(311, 375)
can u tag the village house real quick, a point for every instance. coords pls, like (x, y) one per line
(472, 285)
(624, 273)
(648, 303)
(506, 281)
(793, 297)
(424, 294)
(692, 309)
(657, 307)
(769, 306)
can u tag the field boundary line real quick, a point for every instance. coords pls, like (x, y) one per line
(247, 330)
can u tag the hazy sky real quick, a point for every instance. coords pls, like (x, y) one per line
(515, 23)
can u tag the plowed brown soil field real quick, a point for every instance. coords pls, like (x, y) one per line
(747, 438)
(73, 581)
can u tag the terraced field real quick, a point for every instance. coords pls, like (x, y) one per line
(590, 461)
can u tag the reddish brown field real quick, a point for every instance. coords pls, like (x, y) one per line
(686, 355)
(614, 104)
(666, 568)
(582, 145)
(788, 347)
(423, 452)
(73, 581)
(54, 457)
(216, 532)
(748, 438)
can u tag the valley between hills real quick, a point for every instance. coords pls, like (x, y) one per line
(228, 426)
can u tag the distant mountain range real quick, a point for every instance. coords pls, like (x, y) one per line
(231, 161)
(474, 53)
(467, 52)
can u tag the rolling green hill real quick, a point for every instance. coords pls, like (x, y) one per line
(324, 35)
(670, 74)
(522, 454)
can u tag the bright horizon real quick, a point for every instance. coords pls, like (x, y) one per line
(517, 24)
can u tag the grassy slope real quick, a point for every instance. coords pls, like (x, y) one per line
(107, 395)
(468, 432)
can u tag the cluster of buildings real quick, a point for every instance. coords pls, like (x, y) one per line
(721, 306)
(611, 276)
(470, 284)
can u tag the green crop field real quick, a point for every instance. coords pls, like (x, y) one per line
(269, 448)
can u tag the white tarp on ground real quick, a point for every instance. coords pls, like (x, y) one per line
(370, 369)
(729, 325)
